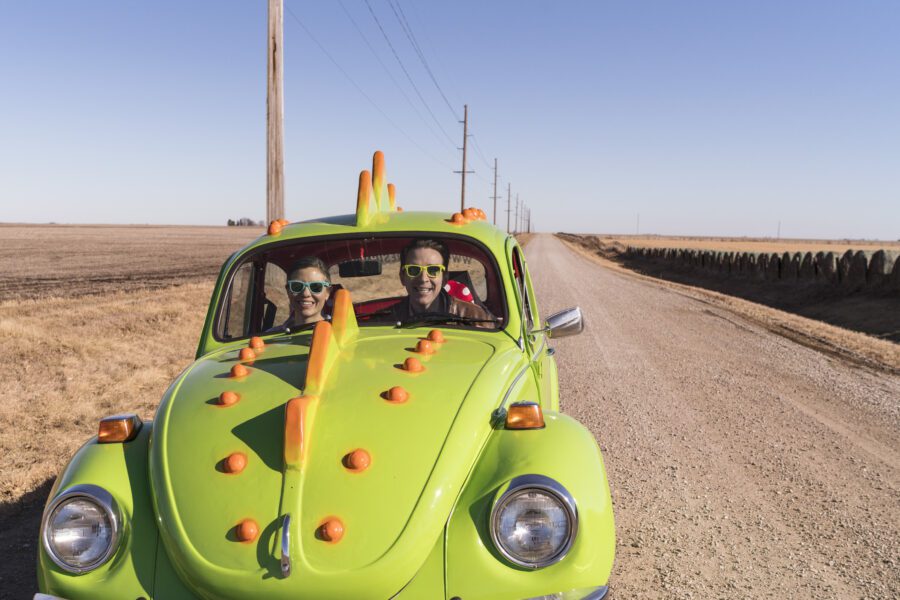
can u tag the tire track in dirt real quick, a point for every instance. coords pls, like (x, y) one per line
(741, 463)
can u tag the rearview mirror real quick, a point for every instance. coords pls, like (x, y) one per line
(361, 267)
(564, 323)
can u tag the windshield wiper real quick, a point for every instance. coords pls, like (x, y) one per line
(430, 318)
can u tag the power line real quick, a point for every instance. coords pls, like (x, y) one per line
(360, 90)
(480, 153)
(404, 25)
(388, 71)
(403, 67)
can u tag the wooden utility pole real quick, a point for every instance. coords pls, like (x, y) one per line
(275, 114)
(508, 209)
(495, 192)
(516, 220)
(465, 122)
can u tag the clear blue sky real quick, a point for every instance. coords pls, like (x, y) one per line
(708, 118)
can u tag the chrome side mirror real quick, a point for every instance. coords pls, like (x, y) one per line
(565, 322)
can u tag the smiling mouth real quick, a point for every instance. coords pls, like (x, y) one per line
(424, 290)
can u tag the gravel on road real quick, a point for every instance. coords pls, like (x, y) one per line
(742, 464)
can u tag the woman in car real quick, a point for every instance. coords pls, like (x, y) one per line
(308, 288)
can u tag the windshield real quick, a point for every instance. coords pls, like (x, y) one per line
(403, 281)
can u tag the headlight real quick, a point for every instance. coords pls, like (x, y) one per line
(81, 528)
(534, 522)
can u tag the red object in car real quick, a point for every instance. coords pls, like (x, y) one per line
(459, 291)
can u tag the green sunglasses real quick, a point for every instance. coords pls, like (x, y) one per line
(296, 287)
(415, 270)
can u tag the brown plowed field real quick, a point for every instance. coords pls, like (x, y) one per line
(750, 453)
(42, 261)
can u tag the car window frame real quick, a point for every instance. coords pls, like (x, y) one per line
(253, 253)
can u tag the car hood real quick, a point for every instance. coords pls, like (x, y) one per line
(392, 512)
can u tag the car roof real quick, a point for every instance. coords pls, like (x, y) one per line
(391, 223)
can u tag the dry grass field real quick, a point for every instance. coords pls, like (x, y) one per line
(94, 321)
(724, 244)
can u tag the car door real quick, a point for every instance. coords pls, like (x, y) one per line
(532, 337)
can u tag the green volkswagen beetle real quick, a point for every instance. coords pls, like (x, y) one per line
(373, 412)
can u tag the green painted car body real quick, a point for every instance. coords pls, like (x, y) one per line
(416, 522)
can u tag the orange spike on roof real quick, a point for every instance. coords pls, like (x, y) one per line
(458, 219)
(378, 179)
(257, 343)
(363, 199)
(424, 347)
(436, 336)
(392, 197)
(247, 355)
(239, 370)
(275, 228)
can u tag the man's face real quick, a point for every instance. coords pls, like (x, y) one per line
(422, 290)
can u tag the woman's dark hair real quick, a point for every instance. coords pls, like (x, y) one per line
(308, 262)
(425, 243)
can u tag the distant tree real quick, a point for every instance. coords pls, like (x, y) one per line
(245, 222)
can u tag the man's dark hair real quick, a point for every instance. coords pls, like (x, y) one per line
(426, 243)
(307, 262)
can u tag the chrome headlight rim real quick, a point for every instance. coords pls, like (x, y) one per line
(542, 483)
(104, 500)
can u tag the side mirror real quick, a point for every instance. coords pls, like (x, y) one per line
(565, 322)
(361, 267)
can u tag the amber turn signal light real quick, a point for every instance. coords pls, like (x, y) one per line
(525, 415)
(120, 428)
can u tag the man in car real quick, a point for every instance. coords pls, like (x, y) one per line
(423, 269)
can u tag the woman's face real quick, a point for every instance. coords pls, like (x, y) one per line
(307, 306)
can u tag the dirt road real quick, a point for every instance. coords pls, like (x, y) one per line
(742, 464)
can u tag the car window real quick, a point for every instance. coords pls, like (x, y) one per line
(277, 306)
(520, 274)
(236, 316)
(471, 277)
